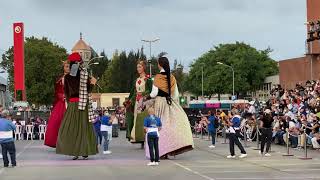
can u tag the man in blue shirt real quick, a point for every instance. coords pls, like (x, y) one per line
(152, 126)
(6, 139)
(212, 128)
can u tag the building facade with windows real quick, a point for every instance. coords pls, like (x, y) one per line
(83, 49)
(301, 69)
(104, 100)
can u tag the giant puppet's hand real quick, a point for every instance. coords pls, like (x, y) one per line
(93, 81)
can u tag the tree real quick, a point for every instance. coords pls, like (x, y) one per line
(43, 64)
(99, 69)
(121, 72)
(251, 67)
(180, 76)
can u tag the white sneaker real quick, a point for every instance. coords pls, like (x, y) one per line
(243, 155)
(107, 152)
(151, 164)
(156, 163)
(231, 157)
(260, 153)
(267, 155)
(212, 146)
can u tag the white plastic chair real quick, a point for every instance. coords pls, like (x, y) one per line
(29, 129)
(18, 132)
(42, 131)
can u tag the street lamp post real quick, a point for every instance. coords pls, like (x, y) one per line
(202, 80)
(88, 63)
(150, 43)
(220, 63)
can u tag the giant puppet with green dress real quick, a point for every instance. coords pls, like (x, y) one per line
(76, 134)
(136, 111)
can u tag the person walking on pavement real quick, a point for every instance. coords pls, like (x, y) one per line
(266, 136)
(6, 139)
(234, 134)
(213, 124)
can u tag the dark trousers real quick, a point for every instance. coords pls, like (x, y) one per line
(279, 137)
(266, 138)
(99, 137)
(294, 141)
(153, 141)
(234, 139)
(213, 136)
(10, 148)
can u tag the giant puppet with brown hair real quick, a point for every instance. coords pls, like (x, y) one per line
(58, 109)
(135, 108)
(76, 134)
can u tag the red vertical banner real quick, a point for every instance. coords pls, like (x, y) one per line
(18, 49)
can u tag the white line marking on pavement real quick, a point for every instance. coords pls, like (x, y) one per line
(192, 171)
(23, 150)
(295, 170)
(264, 178)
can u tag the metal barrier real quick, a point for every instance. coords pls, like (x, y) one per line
(245, 136)
(224, 133)
(257, 136)
(305, 147)
(287, 141)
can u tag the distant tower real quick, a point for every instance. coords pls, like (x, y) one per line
(83, 49)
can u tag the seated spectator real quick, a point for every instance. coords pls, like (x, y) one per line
(316, 141)
(279, 130)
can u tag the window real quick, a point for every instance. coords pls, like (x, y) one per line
(115, 101)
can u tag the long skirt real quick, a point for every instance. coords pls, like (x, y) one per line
(137, 133)
(54, 123)
(76, 134)
(175, 135)
(129, 123)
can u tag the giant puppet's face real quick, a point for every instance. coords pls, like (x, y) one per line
(66, 68)
(140, 69)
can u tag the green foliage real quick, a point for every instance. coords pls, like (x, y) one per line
(43, 65)
(99, 69)
(251, 67)
(121, 72)
(180, 76)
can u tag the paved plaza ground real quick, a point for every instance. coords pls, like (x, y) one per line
(37, 162)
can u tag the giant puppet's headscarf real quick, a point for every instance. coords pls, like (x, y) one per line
(160, 81)
(84, 96)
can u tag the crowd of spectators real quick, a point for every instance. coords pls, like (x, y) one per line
(295, 111)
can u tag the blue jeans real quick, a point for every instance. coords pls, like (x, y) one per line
(213, 136)
(279, 137)
(153, 143)
(294, 141)
(99, 137)
(106, 140)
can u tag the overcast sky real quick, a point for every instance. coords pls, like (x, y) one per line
(187, 28)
